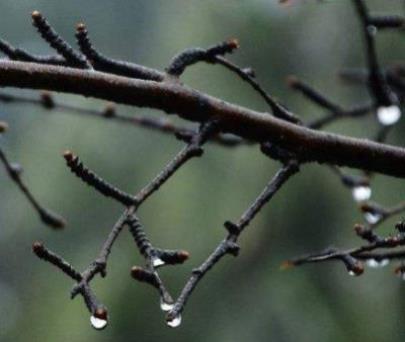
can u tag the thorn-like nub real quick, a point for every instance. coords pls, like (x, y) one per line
(359, 229)
(38, 248)
(36, 15)
(47, 100)
(183, 255)
(357, 268)
(137, 273)
(231, 227)
(68, 155)
(233, 43)
(3, 126)
(286, 265)
(292, 81)
(109, 110)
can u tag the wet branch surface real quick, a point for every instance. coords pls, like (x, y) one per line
(281, 135)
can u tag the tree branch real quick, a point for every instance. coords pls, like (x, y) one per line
(192, 105)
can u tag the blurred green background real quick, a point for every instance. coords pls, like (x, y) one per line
(242, 299)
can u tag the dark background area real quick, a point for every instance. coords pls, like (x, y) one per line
(242, 299)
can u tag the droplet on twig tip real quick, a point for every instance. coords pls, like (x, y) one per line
(374, 263)
(99, 319)
(372, 218)
(388, 116)
(361, 193)
(165, 306)
(174, 322)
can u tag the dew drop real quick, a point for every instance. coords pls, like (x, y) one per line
(175, 322)
(373, 263)
(388, 115)
(165, 306)
(372, 30)
(156, 262)
(98, 323)
(361, 193)
(372, 218)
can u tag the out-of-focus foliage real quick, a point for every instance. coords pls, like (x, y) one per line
(247, 298)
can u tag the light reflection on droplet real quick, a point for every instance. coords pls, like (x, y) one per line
(156, 262)
(373, 263)
(372, 30)
(372, 218)
(175, 322)
(98, 323)
(165, 306)
(353, 274)
(361, 193)
(388, 115)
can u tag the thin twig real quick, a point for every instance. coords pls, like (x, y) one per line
(47, 216)
(92, 179)
(103, 63)
(47, 32)
(229, 244)
(19, 54)
(109, 112)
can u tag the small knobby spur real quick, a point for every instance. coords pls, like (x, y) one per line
(281, 135)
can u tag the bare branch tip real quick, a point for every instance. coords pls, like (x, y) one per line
(38, 248)
(69, 156)
(110, 110)
(36, 15)
(285, 265)
(292, 81)
(81, 28)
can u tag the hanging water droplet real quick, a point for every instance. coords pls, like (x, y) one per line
(98, 323)
(372, 218)
(372, 30)
(373, 263)
(175, 322)
(388, 115)
(353, 274)
(156, 262)
(165, 306)
(361, 193)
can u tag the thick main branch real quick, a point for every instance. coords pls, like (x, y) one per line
(193, 105)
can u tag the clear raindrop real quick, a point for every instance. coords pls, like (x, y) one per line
(353, 274)
(361, 193)
(372, 30)
(388, 115)
(175, 322)
(156, 262)
(98, 323)
(165, 306)
(373, 263)
(372, 218)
